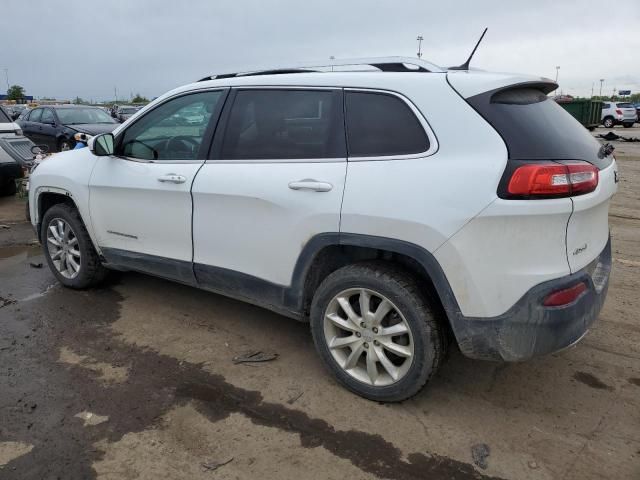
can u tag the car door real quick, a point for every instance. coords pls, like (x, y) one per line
(274, 180)
(140, 199)
(47, 129)
(30, 126)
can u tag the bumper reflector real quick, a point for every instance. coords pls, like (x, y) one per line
(565, 296)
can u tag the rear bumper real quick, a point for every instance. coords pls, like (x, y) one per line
(530, 329)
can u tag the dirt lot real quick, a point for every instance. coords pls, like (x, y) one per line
(136, 381)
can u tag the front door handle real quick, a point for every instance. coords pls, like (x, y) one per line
(172, 178)
(310, 184)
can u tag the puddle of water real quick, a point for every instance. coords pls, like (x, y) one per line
(15, 254)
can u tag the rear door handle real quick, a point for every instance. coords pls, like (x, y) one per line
(172, 178)
(310, 184)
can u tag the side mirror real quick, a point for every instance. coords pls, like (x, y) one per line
(102, 145)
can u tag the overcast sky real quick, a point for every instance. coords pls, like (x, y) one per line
(86, 48)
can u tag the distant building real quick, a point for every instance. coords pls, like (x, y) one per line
(25, 99)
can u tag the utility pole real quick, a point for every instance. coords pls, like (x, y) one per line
(557, 71)
(593, 84)
(419, 38)
(601, 82)
(115, 94)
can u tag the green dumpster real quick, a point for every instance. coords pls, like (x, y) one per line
(586, 111)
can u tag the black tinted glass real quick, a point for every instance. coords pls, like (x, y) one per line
(382, 125)
(534, 127)
(280, 124)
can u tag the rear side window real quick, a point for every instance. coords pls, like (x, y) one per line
(534, 127)
(380, 125)
(284, 124)
(606, 105)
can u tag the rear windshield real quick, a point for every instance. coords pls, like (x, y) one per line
(4, 118)
(534, 127)
(625, 105)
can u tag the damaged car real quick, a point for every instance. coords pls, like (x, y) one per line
(55, 126)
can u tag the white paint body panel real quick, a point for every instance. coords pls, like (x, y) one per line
(128, 199)
(67, 173)
(510, 247)
(588, 229)
(247, 219)
(426, 200)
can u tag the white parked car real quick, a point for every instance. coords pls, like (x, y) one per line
(397, 209)
(620, 113)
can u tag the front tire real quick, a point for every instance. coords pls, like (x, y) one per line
(376, 331)
(69, 250)
(65, 145)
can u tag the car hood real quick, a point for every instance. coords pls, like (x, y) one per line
(93, 128)
(9, 127)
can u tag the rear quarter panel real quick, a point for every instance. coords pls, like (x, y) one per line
(426, 200)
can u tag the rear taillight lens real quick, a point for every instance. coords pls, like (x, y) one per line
(544, 180)
(618, 111)
(565, 296)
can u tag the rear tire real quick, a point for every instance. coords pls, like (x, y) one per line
(627, 125)
(70, 241)
(608, 122)
(365, 359)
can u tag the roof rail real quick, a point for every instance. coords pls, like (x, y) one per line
(384, 64)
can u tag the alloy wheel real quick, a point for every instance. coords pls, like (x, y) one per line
(368, 337)
(62, 244)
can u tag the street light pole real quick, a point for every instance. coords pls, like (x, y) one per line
(419, 38)
(601, 82)
(557, 71)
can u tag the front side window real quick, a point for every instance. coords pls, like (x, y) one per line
(172, 131)
(284, 124)
(380, 125)
(35, 115)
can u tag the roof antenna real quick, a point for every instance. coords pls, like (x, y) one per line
(465, 65)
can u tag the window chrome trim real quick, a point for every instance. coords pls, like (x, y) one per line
(431, 136)
(281, 160)
(156, 162)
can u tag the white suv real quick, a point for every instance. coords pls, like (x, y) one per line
(621, 113)
(395, 207)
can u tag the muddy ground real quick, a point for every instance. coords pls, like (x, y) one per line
(136, 381)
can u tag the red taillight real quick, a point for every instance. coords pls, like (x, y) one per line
(553, 179)
(618, 111)
(565, 296)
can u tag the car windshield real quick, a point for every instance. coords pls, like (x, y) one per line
(625, 105)
(71, 116)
